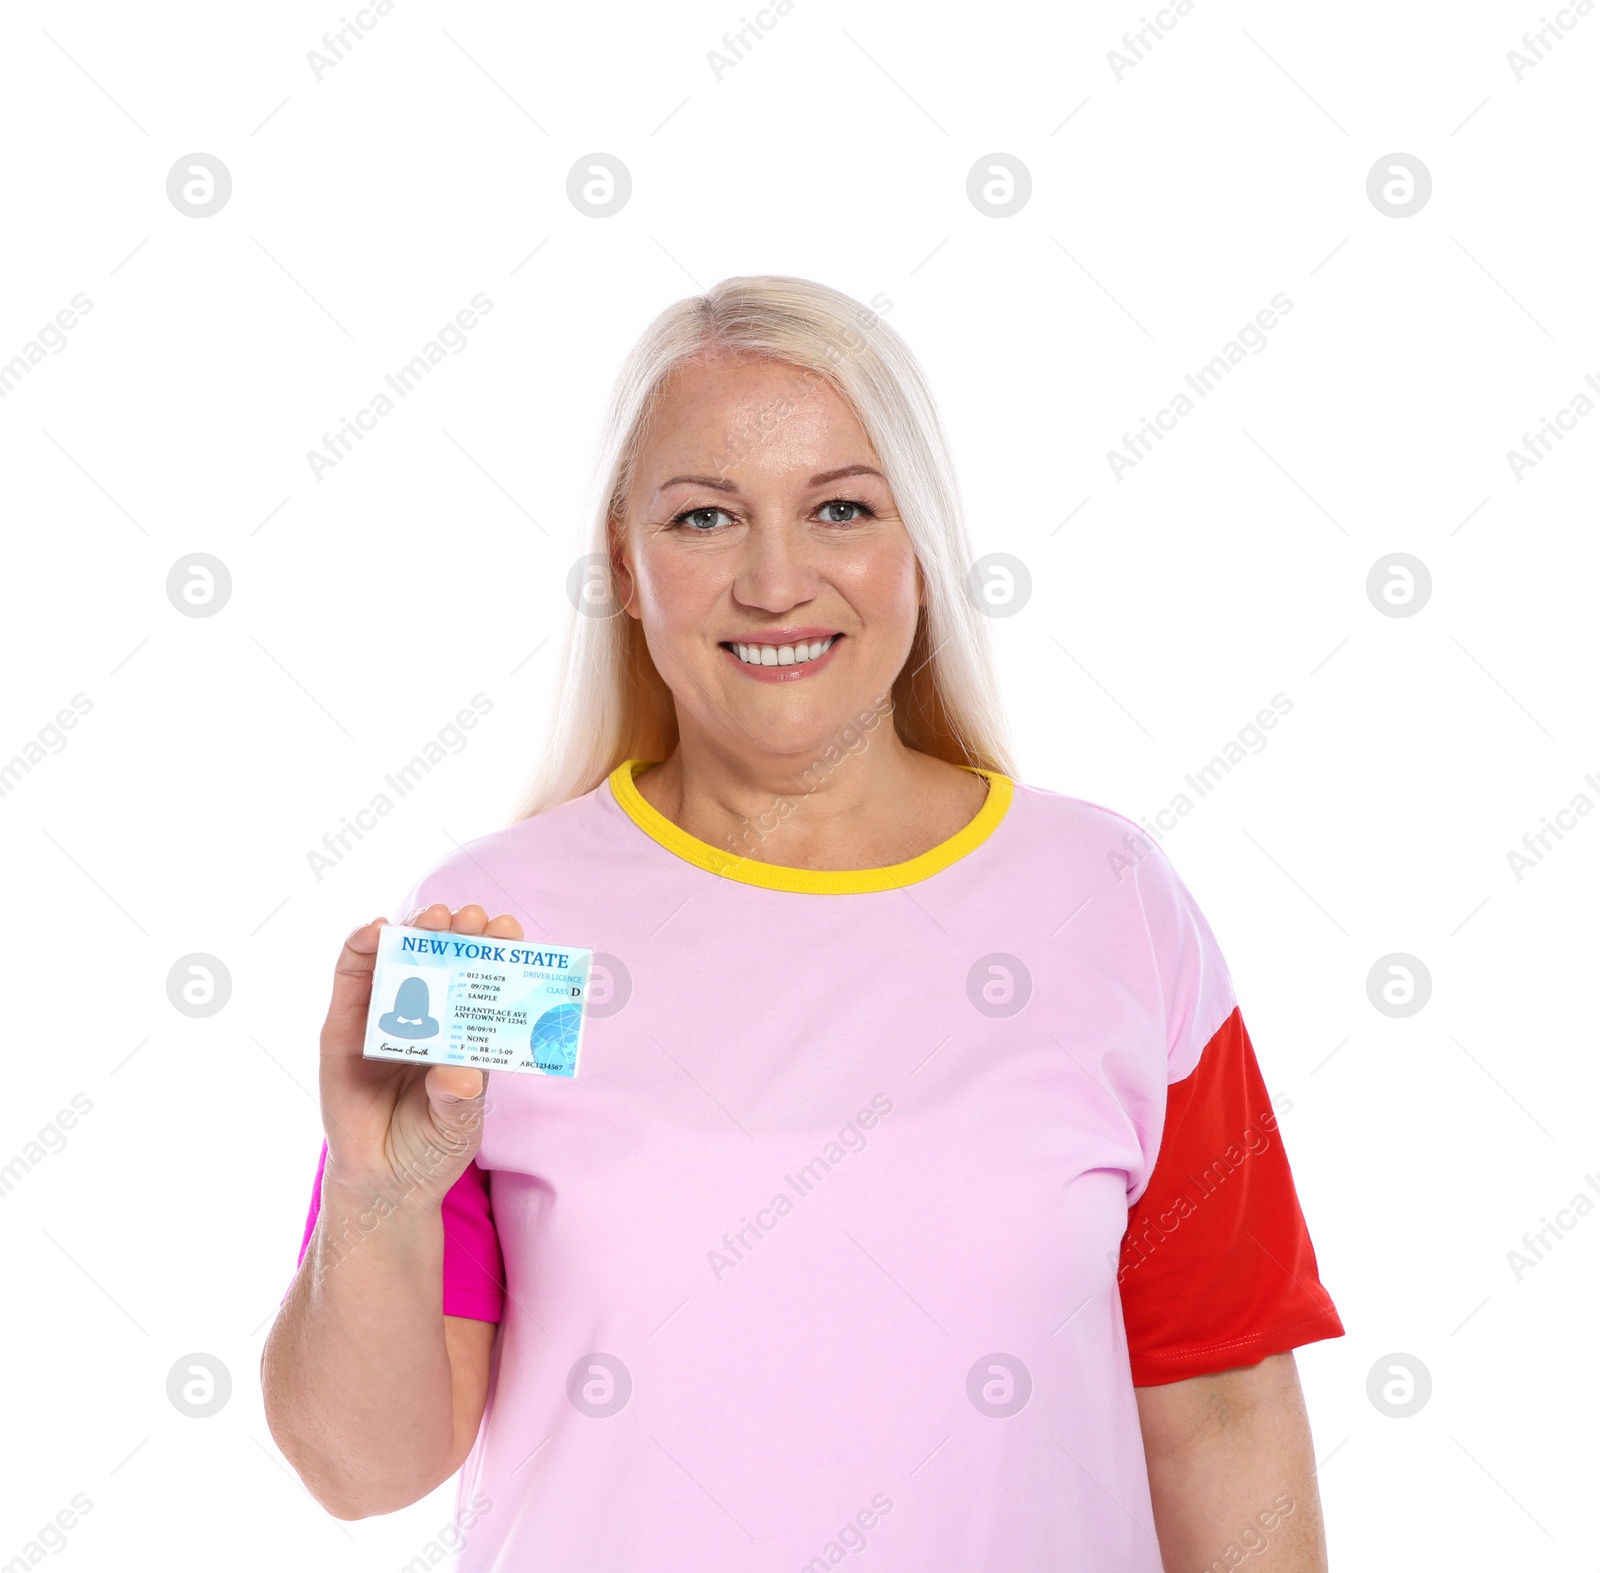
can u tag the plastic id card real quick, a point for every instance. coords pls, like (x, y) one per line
(465, 999)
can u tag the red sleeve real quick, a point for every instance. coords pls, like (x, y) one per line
(474, 1272)
(1217, 1268)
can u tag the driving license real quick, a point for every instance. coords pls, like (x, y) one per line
(467, 999)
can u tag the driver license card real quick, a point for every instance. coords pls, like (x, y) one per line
(440, 998)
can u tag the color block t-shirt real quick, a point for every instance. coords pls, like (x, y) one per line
(874, 1196)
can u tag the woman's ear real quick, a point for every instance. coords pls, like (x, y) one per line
(621, 574)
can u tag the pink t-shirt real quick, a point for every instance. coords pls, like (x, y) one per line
(869, 1202)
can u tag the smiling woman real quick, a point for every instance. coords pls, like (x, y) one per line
(737, 443)
(777, 801)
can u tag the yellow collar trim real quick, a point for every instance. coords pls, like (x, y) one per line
(811, 881)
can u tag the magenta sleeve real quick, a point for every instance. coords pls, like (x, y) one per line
(474, 1272)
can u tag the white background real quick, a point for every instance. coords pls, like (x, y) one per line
(1168, 607)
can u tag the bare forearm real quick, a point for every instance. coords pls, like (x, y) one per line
(356, 1372)
(1232, 1473)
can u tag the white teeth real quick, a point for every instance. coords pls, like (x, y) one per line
(782, 654)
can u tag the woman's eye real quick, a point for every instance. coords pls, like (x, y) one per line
(697, 514)
(703, 521)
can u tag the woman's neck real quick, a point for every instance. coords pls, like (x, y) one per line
(869, 807)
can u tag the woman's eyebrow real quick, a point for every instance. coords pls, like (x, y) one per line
(849, 469)
(722, 484)
(715, 481)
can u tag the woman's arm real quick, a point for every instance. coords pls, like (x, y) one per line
(1232, 1474)
(371, 1393)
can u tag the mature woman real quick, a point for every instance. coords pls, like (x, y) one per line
(918, 1193)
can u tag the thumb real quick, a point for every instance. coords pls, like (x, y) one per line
(455, 1100)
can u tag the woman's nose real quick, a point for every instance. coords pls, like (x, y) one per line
(777, 567)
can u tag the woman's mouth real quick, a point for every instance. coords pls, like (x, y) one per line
(781, 654)
(781, 662)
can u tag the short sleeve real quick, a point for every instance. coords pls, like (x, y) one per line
(1217, 1268)
(474, 1273)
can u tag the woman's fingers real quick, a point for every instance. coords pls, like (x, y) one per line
(470, 919)
(436, 916)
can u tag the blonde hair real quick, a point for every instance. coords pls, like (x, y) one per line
(611, 703)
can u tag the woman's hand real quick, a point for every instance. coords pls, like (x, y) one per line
(399, 1130)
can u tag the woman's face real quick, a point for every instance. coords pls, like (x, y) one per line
(757, 517)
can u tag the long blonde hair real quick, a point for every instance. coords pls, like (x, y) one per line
(611, 704)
